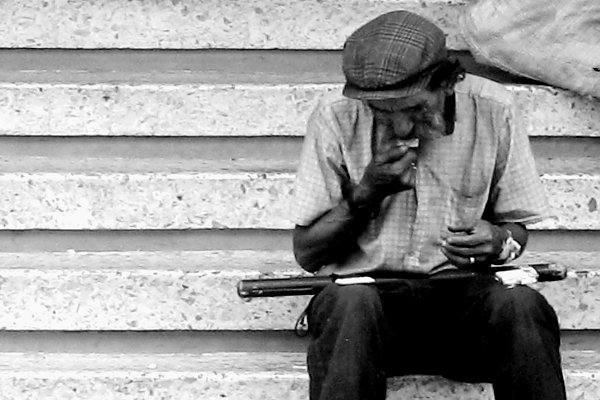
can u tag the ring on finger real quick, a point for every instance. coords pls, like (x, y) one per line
(471, 260)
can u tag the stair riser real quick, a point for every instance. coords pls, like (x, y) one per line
(104, 200)
(230, 110)
(189, 24)
(181, 386)
(176, 300)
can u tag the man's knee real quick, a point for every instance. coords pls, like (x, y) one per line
(351, 298)
(338, 302)
(521, 306)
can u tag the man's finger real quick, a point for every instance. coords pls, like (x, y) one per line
(467, 251)
(469, 262)
(409, 177)
(459, 261)
(461, 229)
(469, 240)
(404, 163)
(391, 154)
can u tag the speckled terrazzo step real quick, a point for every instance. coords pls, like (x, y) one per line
(72, 193)
(228, 108)
(214, 93)
(83, 291)
(248, 376)
(207, 24)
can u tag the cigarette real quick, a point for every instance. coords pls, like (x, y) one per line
(412, 143)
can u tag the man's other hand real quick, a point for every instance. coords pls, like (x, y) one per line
(391, 170)
(474, 246)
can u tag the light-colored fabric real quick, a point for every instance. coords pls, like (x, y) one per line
(554, 41)
(486, 161)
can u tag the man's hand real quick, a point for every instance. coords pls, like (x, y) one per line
(390, 171)
(477, 245)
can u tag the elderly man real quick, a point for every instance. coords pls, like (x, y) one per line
(369, 201)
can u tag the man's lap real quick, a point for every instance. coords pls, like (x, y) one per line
(454, 328)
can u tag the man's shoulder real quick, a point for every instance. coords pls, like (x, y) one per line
(478, 88)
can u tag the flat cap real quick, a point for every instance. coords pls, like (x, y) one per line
(392, 56)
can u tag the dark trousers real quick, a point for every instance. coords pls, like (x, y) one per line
(475, 330)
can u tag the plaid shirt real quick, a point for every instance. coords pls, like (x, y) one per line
(485, 169)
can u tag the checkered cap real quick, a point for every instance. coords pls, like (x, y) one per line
(392, 56)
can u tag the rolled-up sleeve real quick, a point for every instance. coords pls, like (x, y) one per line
(318, 181)
(519, 195)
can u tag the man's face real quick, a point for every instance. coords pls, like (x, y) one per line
(418, 116)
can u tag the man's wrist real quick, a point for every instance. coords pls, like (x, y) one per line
(360, 203)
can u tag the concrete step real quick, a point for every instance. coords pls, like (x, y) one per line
(136, 291)
(50, 193)
(228, 108)
(253, 376)
(189, 24)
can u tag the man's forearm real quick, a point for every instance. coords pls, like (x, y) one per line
(330, 237)
(333, 236)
